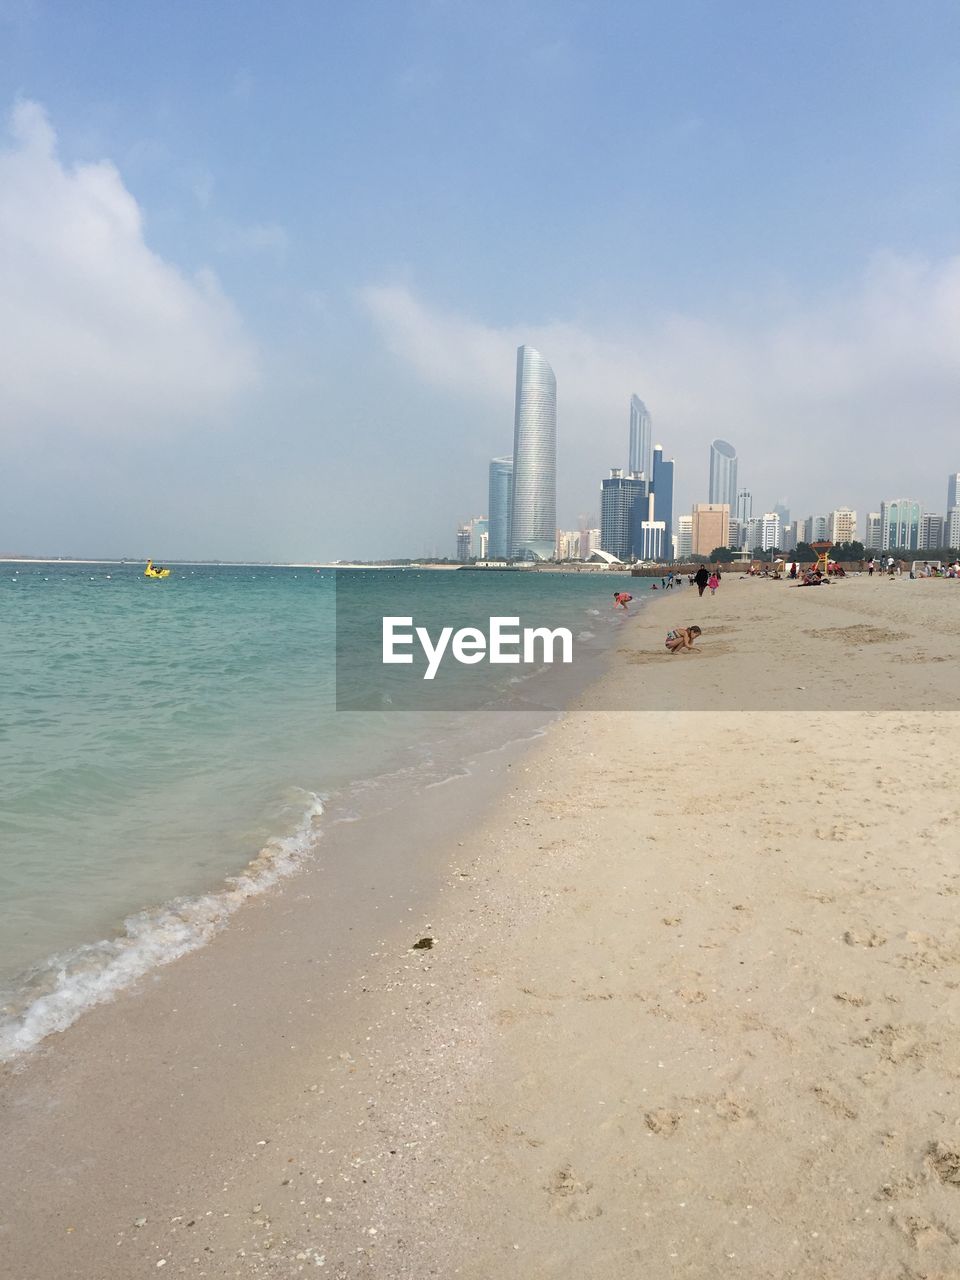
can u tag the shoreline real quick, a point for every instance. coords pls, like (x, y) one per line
(551, 992)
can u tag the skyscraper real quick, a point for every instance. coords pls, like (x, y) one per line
(953, 490)
(498, 507)
(843, 525)
(623, 508)
(710, 527)
(900, 525)
(533, 507)
(662, 485)
(723, 474)
(641, 437)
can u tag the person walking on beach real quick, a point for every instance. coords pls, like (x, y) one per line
(621, 600)
(713, 582)
(681, 638)
(701, 578)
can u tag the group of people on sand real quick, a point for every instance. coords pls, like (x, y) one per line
(678, 638)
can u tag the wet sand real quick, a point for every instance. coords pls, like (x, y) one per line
(691, 1007)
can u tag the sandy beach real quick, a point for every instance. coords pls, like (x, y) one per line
(690, 1009)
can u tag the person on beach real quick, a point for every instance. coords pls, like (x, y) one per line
(701, 578)
(682, 638)
(713, 582)
(621, 600)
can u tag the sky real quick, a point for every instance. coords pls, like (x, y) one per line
(264, 268)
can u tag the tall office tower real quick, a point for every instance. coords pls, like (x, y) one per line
(953, 490)
(623, 505)
(710, 527)
(952, 535)
(816, 529)
(684, 537)
(783, 511)
(788, 537)
(933, 530)
(641, 437)
(464, 537)
(872, 539)
(501, 484)
(900, 525)
(842, 525)
(662, 478)
(723, 474)
(533, 508)
(650, 545)
(479, 537)
(744, 506)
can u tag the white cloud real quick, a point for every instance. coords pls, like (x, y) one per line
(97, 332)
(841, 398)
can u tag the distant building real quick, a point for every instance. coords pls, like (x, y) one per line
(653, 532)
(872, 534)
(744, 507)
(816, 529)
(900, 524)
(479, 537)
(501, 485)
(933, 531)
(842, 525)
(464, 538)
(684, 537)
(953, 490)
(953, 529)
(737, 533)
(623, 505)
(533, 506)
(788, 537)
(661, 483)
(764, 532)
(589, 543)
(641, 438)
(568, 544)
(710, 527)
(723, 475)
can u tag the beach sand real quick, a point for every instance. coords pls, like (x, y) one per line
(691, 1007)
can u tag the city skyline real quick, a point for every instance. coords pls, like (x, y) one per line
(210, 306)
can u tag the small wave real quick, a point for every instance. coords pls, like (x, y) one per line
(586, 635)
(65, 986)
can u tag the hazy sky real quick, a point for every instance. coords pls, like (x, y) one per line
(264, 267)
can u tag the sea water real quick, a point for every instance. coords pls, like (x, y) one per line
(168, 748)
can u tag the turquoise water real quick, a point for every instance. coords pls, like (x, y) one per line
(168, 748)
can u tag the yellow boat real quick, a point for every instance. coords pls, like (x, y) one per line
(155, 571)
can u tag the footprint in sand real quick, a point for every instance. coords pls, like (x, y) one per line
(662, 1121)
(943, 1163)
(570, 1197)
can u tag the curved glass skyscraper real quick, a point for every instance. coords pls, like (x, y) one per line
(723, 474)
(533, 513)
(641, 437)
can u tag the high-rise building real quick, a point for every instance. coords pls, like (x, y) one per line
(501, 484)
(764, 534)
(464, 536)
(872, 536)
(662, 486)
(652, 533)
(479, 537)
(952, 534)
(953, 490)
(842, 526)
(684, 537)
(788, 537)
(533, 506)
(723, 474)
(710, 527)
(568, 544)
(816, 529)
(590, 542)
(641, 437)
(933, 530)
(900, 525)
(623, 506)
(744, 507)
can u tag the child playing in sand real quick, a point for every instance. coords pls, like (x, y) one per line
(682, 638)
